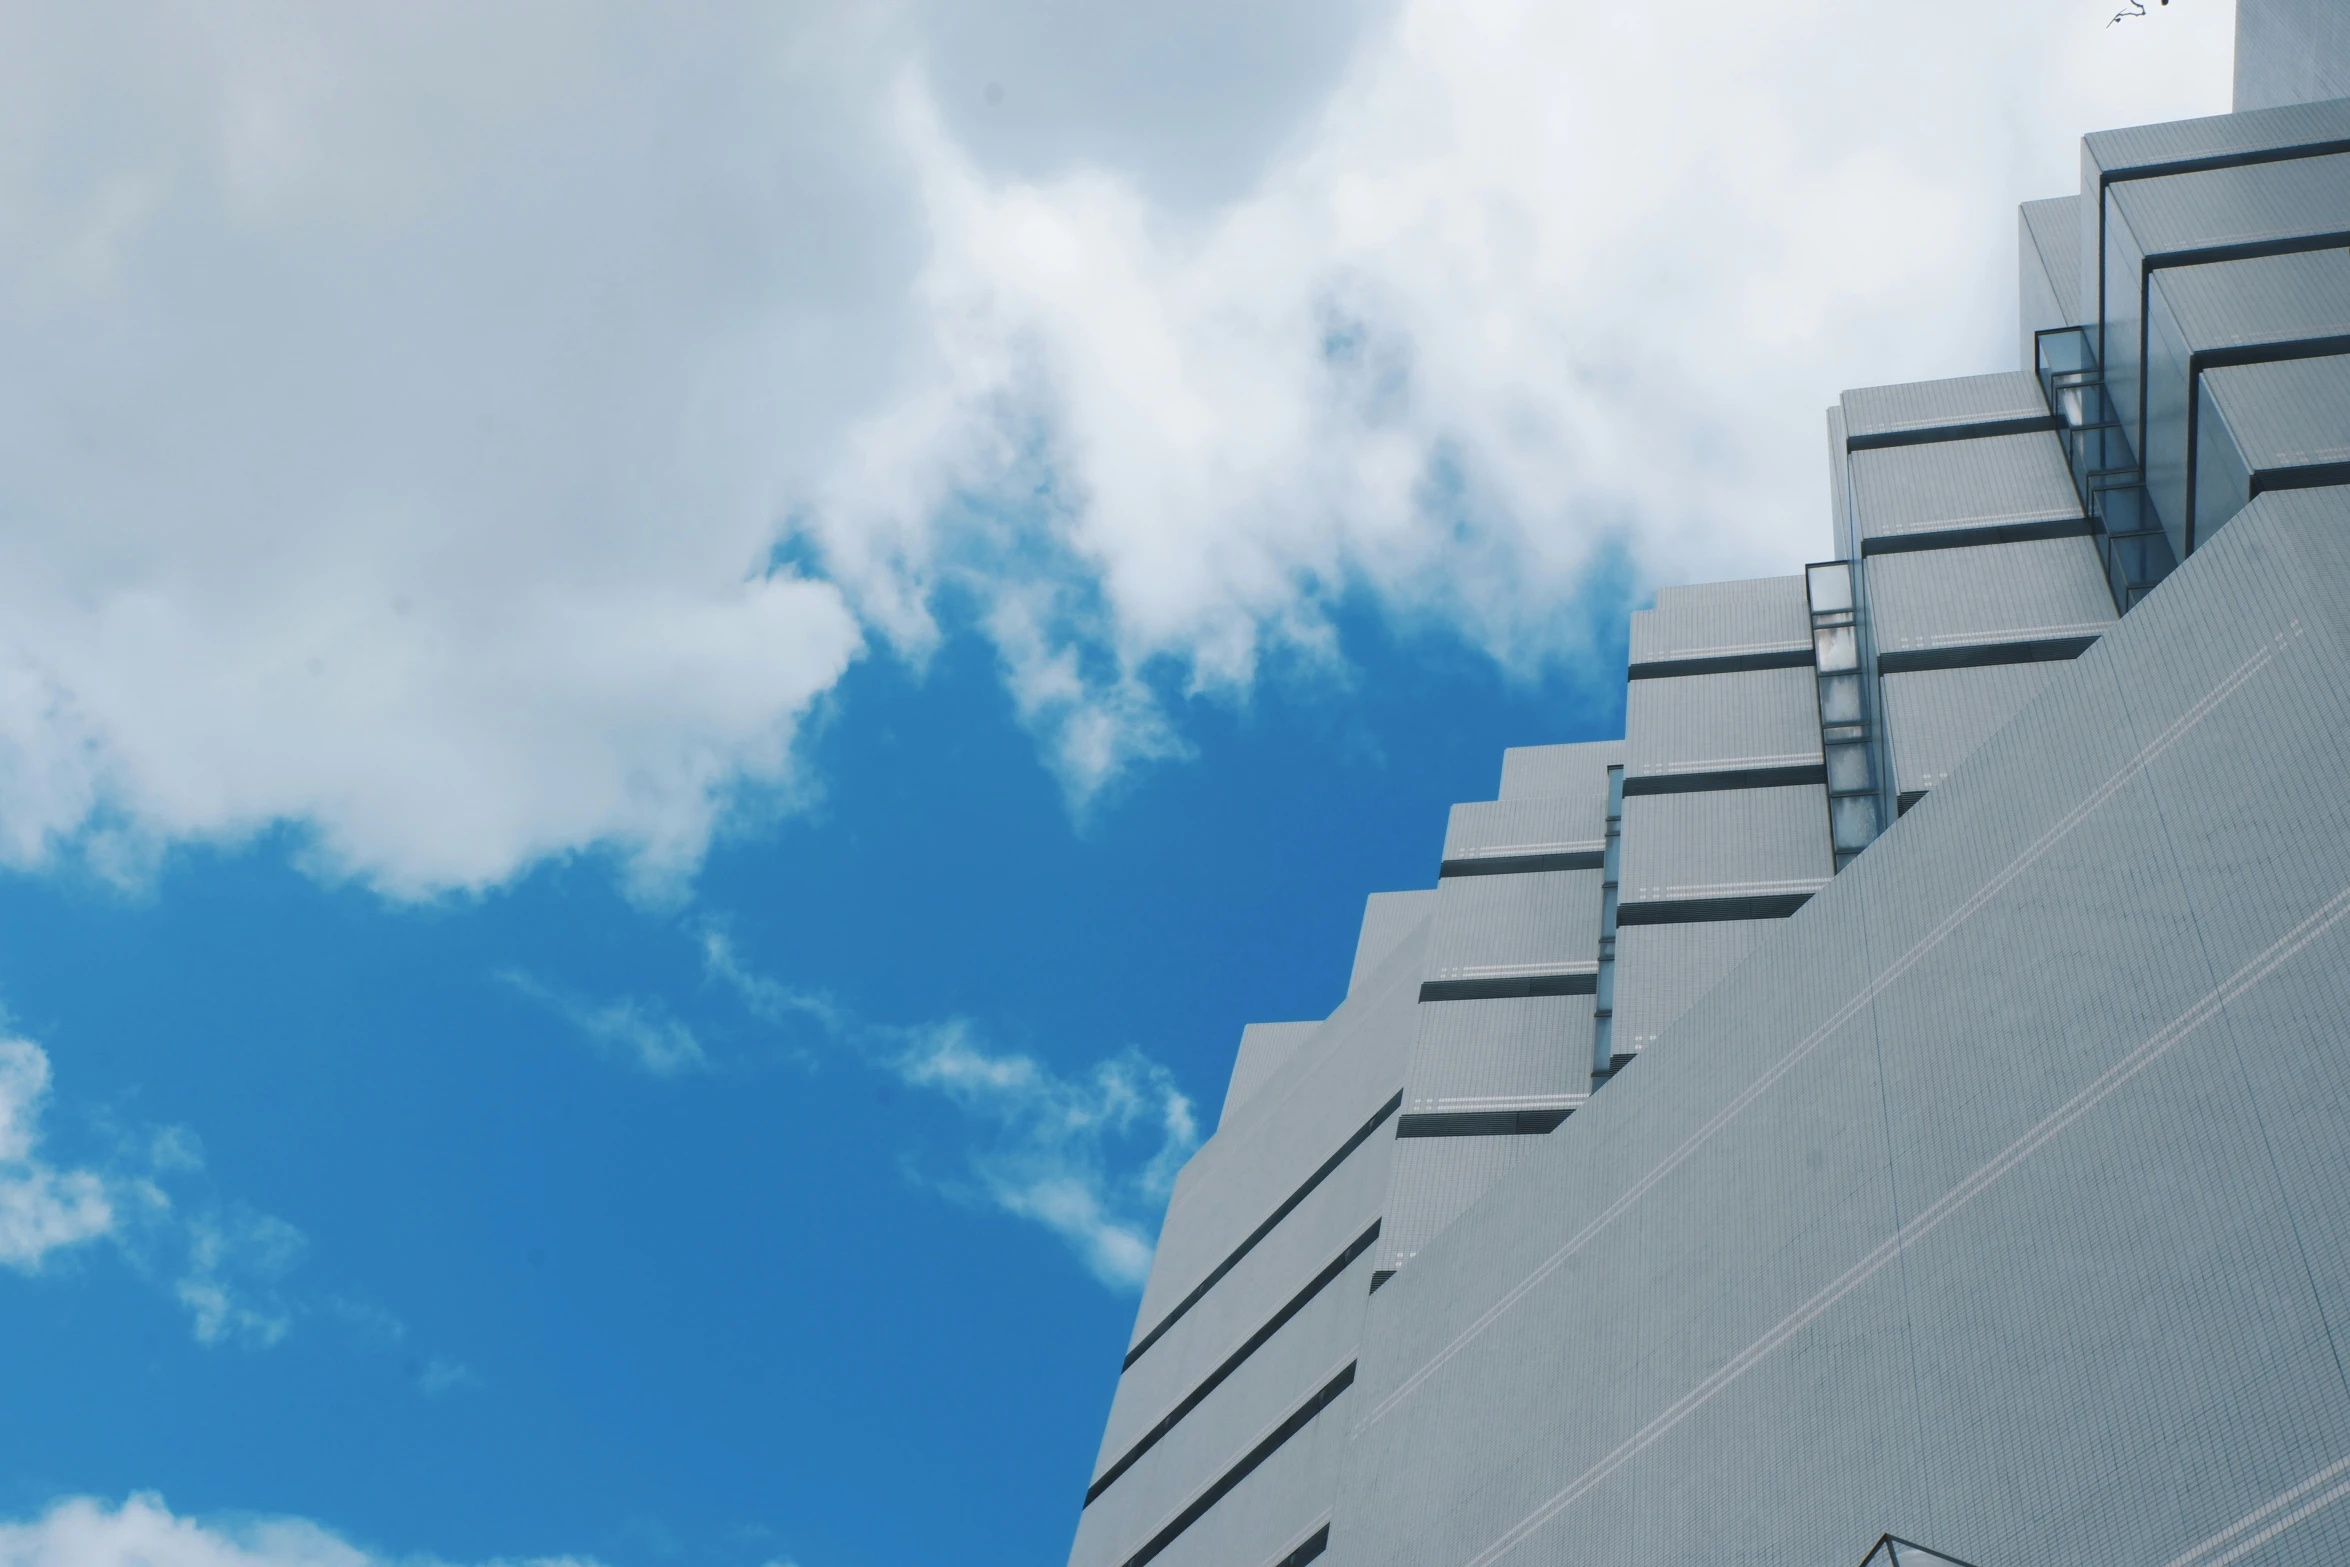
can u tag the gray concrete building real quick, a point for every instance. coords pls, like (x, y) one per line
(1895, 1102)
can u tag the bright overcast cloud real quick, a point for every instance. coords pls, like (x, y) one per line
(475, 433)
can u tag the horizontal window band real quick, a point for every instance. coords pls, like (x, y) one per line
(1523, 864)
(2315, 476)
(1232, 1362)
(1705, 911)
(1483, 1123)
(1721, 664)
(1729, 778)
(1507, 986)
(2269, 353)
(1361, 1136)
(2227, 160)
(1309, 1549)
(1905, 799)
(1969, 538)
(2249, 250)
(1380, 1276)
(1298, 1421)
(1982, 430)
(1982, 655)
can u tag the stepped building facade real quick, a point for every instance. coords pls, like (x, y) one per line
(1900, 1092)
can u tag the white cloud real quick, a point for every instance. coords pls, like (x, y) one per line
(1053, 1154)
(221, 1262)
(143, 1532)
(1091, 1157)
(43, 1209)
(638, 1032)
(392, 420)
(1538, 281)
(401, 408)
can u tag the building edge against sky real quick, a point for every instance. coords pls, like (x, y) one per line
(1899, 1088)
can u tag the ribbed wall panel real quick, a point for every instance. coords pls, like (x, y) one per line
(1948, 486)
(1490, 924)
(1936, 718)
(2286, 421)
(2264, 299)
(1726, 843)
(1546, 824)
(1722, 619)
(2291, 51)
(1533, 771)
(2039, 589)
(1711, 723)
(1661, 969)
(1263, 1049)
(2215, 136)
(1934, 405)
(1478, 1055)
(2290, 415)
(1433, 1182)
(1389, 919)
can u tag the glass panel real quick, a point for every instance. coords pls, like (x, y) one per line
(1835, 647)
(1830, 586)
(1852, 820)
(1848, 769)
(2064, 351)
(1840, 699)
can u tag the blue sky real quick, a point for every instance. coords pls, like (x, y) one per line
(670, 678)
(555, 1292)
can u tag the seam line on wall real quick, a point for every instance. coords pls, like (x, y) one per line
(1361, 1136)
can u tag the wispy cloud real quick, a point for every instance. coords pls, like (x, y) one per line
(234, 1262)
(637, 1032)
(43, 1209)
(1090, 1157)
(147, 1200)
(224, 1261)
(84, 1531)
(372, 1327)
(438, 1376)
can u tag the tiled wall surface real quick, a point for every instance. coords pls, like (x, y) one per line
(2000, 1200)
